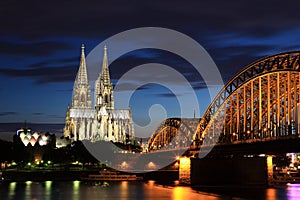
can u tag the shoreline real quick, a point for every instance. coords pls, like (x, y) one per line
(43, 175)
(53, 175)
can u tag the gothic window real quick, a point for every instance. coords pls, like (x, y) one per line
(106, 98)
(82, 98)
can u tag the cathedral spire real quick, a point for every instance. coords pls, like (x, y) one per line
(105, 70)
(104, 88)
(81, 91)
(82, 72)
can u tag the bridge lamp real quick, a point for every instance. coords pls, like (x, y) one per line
(266, 130)
(151, 165)
(235, 135)
(124, 165)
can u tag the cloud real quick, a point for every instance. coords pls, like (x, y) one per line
(145, 56)
(199, 85)
(129, 86)
(3, 114)
(56, 116)
(54, 62)
(228, 29)
(42, 48)
(167, 95)
(37, 113)
(66, 90)
(252, 17)
(44, 75)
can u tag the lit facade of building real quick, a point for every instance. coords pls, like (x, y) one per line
(28, 138)
(103, 121)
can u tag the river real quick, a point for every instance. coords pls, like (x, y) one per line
(77, 190)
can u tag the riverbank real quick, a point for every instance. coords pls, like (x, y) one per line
(65, 175)
(43, 175)
(162, 176)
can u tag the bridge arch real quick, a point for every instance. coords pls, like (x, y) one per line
(260, 102)
(173, 132)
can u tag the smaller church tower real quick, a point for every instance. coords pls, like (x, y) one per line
(103, 88)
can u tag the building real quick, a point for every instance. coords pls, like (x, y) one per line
(27, 138)
(103, 121)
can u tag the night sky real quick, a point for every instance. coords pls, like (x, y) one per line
(40, 44)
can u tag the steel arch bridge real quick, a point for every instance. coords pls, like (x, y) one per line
(173, 133)
(262, 102)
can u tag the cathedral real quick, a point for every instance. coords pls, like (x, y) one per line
(101, 121)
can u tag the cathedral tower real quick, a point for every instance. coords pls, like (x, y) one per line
(82, 91)
(102, 122)
(103, 87)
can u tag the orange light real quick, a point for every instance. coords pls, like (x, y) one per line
(124, 165)
(151, 183)
(270, 167)
(151, 165)
(185, 170)
(185, 162)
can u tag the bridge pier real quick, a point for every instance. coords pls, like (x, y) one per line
(185, 170)
(244, 171)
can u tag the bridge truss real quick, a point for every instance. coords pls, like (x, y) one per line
(261, 102)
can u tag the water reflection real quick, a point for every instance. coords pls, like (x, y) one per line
(151, 183)
(293, 191)
(12, 190)
(48, 185)
(77, 190)
(124, 189)
(271, 193)
(28, 190)
(180, 192)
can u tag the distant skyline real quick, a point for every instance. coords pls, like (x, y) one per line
(40, 44)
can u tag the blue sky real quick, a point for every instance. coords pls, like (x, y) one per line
(40, 47)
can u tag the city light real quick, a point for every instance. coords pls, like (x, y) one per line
(270, 167)
(151, 183)
(124, 165)
(151, 165)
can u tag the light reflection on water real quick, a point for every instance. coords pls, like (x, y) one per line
(293, 191)
(48, 185)
(136, 190)
(12, 188)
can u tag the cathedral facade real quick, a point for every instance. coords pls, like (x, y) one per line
(101, 121)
